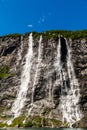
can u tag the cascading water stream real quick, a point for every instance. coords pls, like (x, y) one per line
(57, 64)
(25, 80)
(37, 70)
(19, 58)
(36, 75)
(69, 94)
(65, 78)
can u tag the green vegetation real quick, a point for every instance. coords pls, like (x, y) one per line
(12, 35)
(3, 125)
(54, 34)
(35, 122)
(18, 122)
(28, 123)
(56, 122)
(68, 34)
(4, 72)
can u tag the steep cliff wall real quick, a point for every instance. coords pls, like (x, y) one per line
(46, 102)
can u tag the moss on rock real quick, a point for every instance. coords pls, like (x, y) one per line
(3, 125)
(4, 72)
(18, 122)
(35, 121)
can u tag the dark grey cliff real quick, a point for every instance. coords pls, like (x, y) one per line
(10, 76)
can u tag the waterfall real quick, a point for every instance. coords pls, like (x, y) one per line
(25, 80)
(36, 75)
(65, 79)
(37, 69)
(57, 64)
(69, 92)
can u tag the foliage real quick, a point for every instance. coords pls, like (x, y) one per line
(4, 72)
(68, 34)
(18, 122)
(54, 34)
(36, 122)
(12, 35)
(79, 34)
(28, 123)
(2, 125)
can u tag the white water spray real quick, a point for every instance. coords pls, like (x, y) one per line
(57, 64)
(25, 80)
(69, 93)
(37, 70)
(36, 75)
(69, 100)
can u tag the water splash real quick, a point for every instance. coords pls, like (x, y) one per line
(25, 80)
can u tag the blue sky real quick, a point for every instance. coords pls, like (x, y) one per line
(20, 16)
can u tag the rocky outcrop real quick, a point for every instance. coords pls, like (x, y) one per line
(46, 101)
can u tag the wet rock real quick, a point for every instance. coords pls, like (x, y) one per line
(9, 86)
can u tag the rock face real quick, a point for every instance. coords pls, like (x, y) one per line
(45, 96)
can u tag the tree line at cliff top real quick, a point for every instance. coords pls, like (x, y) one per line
(54, 34)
